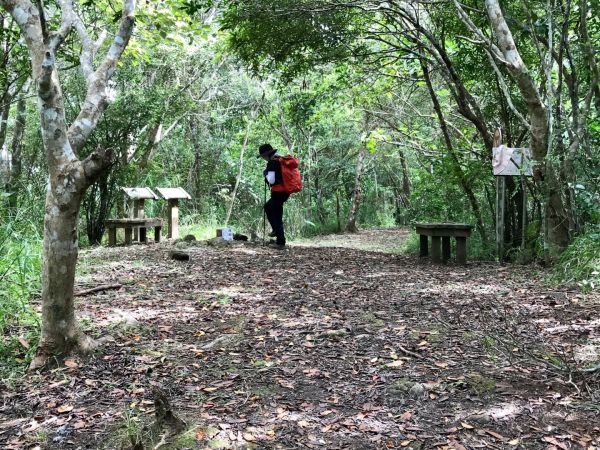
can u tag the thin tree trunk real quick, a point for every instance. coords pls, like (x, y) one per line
(239, 176)
(6, 102)
(357, 193)
(405, 180)
(16, 152)
(461, 175)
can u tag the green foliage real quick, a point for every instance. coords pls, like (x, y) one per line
(20, 258)
(580, 263)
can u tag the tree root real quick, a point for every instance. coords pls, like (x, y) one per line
(78, 343)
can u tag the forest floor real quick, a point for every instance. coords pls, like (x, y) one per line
(318, 347)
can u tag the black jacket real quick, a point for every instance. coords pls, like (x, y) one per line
(273, 165)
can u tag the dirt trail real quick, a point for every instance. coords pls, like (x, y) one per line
(319, 347)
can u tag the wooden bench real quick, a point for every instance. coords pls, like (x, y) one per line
(440, 234)
(129, 225)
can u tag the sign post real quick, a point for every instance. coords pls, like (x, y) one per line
(507, 161)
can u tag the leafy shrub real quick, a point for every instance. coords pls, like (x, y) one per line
(580, 263)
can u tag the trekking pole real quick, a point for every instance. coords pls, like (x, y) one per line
(264, 214)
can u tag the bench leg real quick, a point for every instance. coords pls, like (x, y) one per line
(424, 245)
(157, 234)
(461, 250)
(435, 249)
(445, 248)
(136, 234)
(112, 237)
(143, 234)
(128, 232)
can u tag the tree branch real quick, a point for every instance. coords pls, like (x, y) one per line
(95, 102)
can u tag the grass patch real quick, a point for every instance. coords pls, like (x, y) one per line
(580, 263)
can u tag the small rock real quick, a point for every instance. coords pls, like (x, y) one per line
(480, 419)
(190, 238)
(178, 255)
(417, 390)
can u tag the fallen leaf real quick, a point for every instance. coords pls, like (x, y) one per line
(210, 389)
(71, 364)
(64, 408)
(200, 435)
(514, 441)
(467, 425)
(395, 364)
(24, 342)
(79, 425)
(249, 437)
(494, 434)
(303, 424)
(405, 416)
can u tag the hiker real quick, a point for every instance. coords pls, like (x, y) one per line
(274, 206)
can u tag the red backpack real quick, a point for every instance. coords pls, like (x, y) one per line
(292, 181)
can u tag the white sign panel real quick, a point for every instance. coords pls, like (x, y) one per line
(508, 161)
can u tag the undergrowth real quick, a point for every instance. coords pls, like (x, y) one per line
(580, 263)
(20, 268)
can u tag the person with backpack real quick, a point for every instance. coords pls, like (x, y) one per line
(283, 177)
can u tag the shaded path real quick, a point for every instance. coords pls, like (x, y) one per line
(319, 348)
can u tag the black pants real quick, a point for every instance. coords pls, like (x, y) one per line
(274, 211)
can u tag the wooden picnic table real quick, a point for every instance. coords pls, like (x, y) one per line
(129, 224)
(440, 234)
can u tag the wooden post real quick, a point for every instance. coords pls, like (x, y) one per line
(461, 250)
(128, 233)
(173, 219)
(424, 245)
(445, 248)
(524, 223)
(157, 234)
(112, 236)
(500, 208)
(436, 248)
(138, 213)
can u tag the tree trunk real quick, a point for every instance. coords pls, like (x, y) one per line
(405, 181)
(6, 102)
(60, 333)
(239, 176)
(16, 153)
(69, 177)
(357, 193)
(556, 224)
(457, 167)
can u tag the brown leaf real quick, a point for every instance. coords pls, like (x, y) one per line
(249, 437)
(200, 435)
(494, 434)
(71, 364)
(24, 342)
(405, 416)
(467, 425)
(64, 408)
(395, 364)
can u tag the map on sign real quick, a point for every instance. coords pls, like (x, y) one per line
(508, 161)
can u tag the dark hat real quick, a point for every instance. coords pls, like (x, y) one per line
(265, 149)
